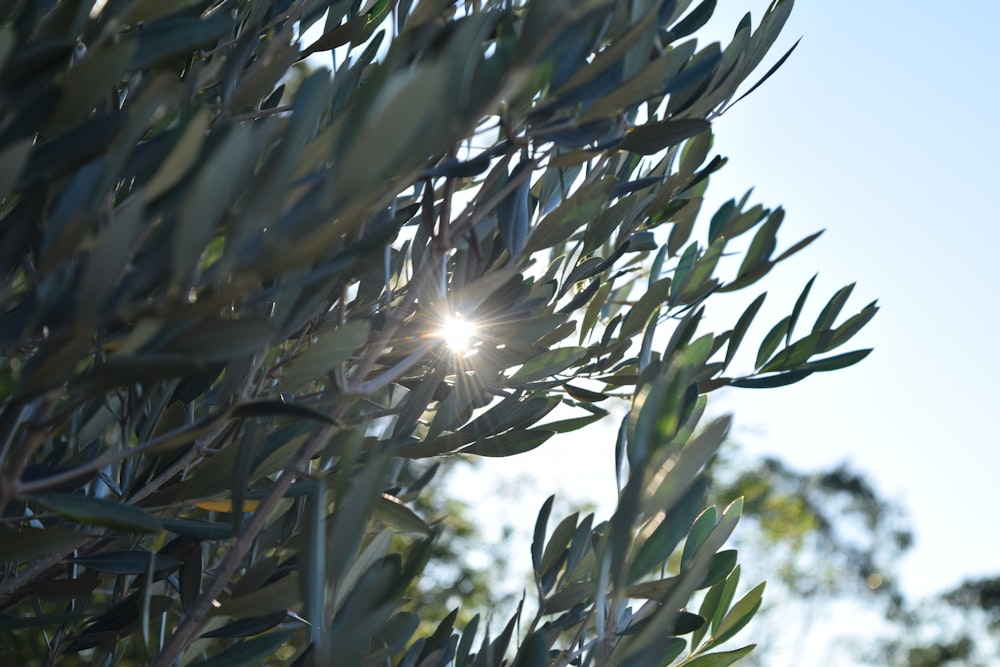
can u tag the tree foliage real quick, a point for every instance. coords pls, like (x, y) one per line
(224, 375)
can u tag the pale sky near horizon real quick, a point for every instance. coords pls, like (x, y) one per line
(882, 129)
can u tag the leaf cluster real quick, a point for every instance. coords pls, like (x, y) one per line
(223, 290)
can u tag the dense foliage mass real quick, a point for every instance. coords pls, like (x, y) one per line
(227, 277)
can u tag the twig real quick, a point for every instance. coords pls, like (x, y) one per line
(206, 427)
(192, 621)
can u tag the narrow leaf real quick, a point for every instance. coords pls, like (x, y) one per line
(85, 509)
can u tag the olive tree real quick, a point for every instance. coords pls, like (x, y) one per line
(232, 283)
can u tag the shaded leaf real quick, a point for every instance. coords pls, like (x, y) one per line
(836, 362)
(391, 511)
(771, 381)
(510, 443)
(247, 652)
(720, 659)
(127, 562)
(652, 138)
(29, 543)
(548, 364)
(278, 409)
(86, 509)
(247, 627)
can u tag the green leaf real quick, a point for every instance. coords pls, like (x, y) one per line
(13, 158)
(580, 545)
(771, 342)
(225, 340)
(338, 36)
(109, 259)
(846, 331)
(312, 556)
(279, 595)
(568, 596)
(694, 21)
(720, 659)
(174, 36)
(441, 445)
(683, 270)
(702, 528)
(548, 364)
(96, 511)
(71, 150)
(572, 423)
(225, 173)
(795, 354)
(737, 617)
(648, 83)
(740, 330)
(558, 543)
(247, 627)
(248, 652)
(798, 246)
(763, 244)
(681, 472)
(182, 157)
(200, 530)
(513, 212)
(774, 68)
(278, 409)
(594, 308)
(639, 314)
(511, 413)
(392, 512)
(61, 590)
(831, 311)
(771, 381)
(652, 138)
(663, 650)
(98, 71)
(538, 542)
(722, 565)
(836, 362)
(658, 547)
(584, 395)
(721, 219)
(797, 309)
(30, 543)
(127, 562)
(657, 589)
(563, 221)
(510, 443)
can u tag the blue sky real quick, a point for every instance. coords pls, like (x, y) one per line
(882, 129)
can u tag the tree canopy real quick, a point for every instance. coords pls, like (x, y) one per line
(232, 287)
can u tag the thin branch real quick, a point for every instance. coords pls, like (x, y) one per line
(206, 427)
(193, 620)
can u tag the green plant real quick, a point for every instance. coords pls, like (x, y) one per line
(223, 303)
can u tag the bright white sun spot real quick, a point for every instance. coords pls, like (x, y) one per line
(458, 333)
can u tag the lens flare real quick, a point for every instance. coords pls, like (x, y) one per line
(458, 333)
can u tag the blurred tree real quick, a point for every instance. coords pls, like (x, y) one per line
(958, 628)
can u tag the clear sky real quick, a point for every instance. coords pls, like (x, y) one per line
(883, 129)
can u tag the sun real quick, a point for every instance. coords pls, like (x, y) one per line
(458, 333)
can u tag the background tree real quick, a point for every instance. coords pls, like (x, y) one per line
(226, 301)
